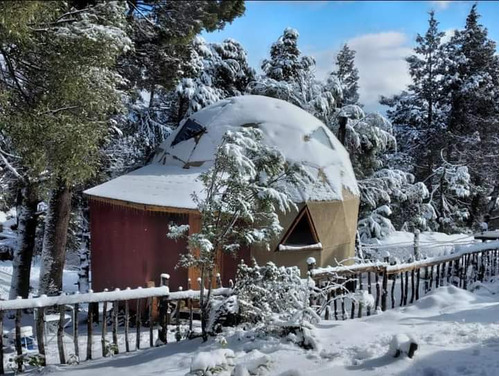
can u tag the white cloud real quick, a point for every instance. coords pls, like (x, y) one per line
(380, 59)
(441, 5)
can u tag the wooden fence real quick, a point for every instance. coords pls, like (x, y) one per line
(159, 302)
(466, 265)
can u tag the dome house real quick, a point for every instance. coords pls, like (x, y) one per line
(130, 214)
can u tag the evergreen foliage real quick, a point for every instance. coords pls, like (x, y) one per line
(347, 74)
(419, 114)
(448, 116)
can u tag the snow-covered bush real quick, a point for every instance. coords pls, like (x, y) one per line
(212, 362)
(272, 300)
(271, 294)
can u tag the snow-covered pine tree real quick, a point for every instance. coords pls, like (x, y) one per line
(450, 186)
(388, 194)
(290, 76)
(418, 114)
(244, 189)
(368, 138)
(471, 86)
(285, 62)
(347, 74)
(217, 71)
(162, 32)
(57, 116)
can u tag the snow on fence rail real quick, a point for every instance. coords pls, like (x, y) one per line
(468, 264)
(162, 307)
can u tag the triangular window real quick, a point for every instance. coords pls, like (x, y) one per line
(301, 233)
(321, 136)
(189, 130)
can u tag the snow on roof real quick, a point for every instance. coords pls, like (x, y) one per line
(171, 178)
(153, 184)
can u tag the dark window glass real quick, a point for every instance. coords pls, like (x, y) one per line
(189, 130)
(302, 234)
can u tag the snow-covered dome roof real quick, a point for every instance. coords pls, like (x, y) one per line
(190, 150)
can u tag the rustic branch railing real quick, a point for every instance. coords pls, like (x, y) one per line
(468, 264)
(154, 296)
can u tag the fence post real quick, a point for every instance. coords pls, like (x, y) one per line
(417, 291)
(402, 285)
(90, 317)
(360, 306)
(437, 276)
(353, 304)
(115, 325)
(75, 331)
(394, 278)
(19, 349)
(368, 309)
(2, 371)
(406, 289)
(40, 312)
(162, 332)
(311, 263)
(60, 335)
(104, 327)
(481, 273)
(384, 290)
(138, 325)
(127, 323)
(416, 244)
(412, 286)
(190, 307)
(335, 304)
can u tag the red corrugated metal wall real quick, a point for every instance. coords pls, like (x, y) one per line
(129, 247)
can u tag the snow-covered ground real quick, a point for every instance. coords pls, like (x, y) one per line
(456, 331)
(70, 278)
(399, 245)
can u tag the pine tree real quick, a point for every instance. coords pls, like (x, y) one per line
(418, 114)
(162, 32)
(57, 116)
(450, 186)
(285, 63)
(471, 85)
(347, 74)
(290, 76)
(217, 71)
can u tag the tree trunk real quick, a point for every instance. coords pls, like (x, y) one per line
(342, 129)
(54, 241)
(84, 255)
(205, 309)
(23, 254)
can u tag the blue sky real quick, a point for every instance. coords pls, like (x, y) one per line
(382, 33)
